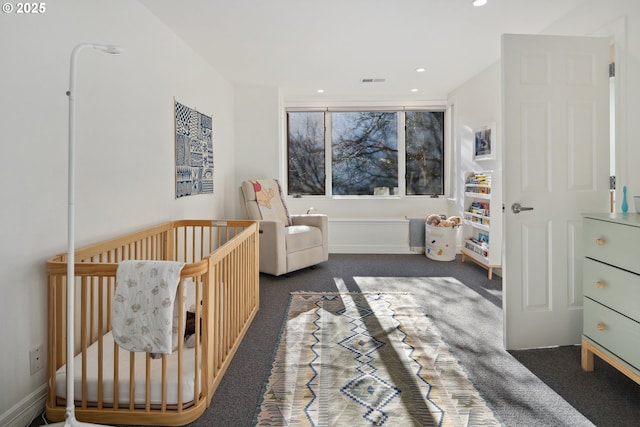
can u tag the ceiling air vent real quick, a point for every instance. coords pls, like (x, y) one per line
(373, 80)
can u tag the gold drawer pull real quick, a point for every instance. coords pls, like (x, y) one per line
(600, 284)
(600, 242)
(601, 326)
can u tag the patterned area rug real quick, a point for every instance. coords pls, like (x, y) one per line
(366, 359)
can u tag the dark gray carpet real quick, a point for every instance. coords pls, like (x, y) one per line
(605, 396)
(466, 307)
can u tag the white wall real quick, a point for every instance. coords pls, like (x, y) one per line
(125, 153)
(257, 130)
(478, 103)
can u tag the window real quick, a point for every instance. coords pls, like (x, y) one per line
(305, 151)
(424, 152)
(364, 152)
(359, 152)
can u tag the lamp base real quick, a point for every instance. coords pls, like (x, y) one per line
(71, 421)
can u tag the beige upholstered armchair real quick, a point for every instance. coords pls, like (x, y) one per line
(287, 242)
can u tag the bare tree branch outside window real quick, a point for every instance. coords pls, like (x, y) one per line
(364, 152)
(306, 153)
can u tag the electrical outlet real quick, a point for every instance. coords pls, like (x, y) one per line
(36, 359)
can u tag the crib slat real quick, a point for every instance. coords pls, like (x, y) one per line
(101, 333)
(184, 243)
(198, 297)
(52, 304)
(91, 302)
(163, 406)
(132, 382)
(147, 403)
(181, 321)
(193, 244)
(83, 337)
(116, 376)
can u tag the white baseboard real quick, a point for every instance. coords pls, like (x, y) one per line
(371, 236)
(22, 413)
(369, 249)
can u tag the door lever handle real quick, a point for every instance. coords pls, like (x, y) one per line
(517, 208)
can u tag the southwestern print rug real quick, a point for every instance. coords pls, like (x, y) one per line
(366, 359)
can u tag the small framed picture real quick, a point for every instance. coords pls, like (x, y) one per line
(484, 140)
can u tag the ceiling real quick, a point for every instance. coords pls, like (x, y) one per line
(301, 46)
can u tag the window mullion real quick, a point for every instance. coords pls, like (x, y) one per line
(402, 166)
(328, 158)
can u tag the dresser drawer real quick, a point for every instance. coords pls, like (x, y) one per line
(612, 287)
(619, 335)
(613, 243)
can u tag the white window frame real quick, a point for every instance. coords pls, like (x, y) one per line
(448, 144)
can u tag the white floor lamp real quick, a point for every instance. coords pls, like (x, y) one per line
(70, 416)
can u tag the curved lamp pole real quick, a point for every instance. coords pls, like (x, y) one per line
(70, 417)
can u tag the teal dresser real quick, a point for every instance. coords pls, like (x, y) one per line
(611, 286)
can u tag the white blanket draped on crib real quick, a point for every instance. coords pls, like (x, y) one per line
(145, 309)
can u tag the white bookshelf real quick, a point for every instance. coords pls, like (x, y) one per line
(482, 237)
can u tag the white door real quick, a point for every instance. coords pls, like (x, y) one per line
(556, 160)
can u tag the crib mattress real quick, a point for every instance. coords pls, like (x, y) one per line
(188, 376)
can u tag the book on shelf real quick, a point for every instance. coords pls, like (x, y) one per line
(479, 179)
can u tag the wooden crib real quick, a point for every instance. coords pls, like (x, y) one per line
(112, 385)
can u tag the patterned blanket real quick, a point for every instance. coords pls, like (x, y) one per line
(145, 308)
(366, 359)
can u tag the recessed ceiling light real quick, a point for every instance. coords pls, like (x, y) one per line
(478, 3)
(414, 90)
(420, 70)
(320, 91)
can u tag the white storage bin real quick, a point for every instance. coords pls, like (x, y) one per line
(440, 242)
